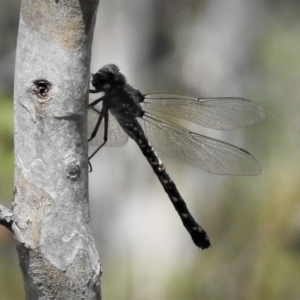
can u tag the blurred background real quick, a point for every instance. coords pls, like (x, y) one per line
(243, 48)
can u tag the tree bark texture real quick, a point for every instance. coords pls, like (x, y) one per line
(56, 249)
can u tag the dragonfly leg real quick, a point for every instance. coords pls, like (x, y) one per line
(90, 166)
(92, 106)
(101, 116)
(93, 135)
(97, 125)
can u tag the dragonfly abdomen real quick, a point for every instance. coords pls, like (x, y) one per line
(198, 234)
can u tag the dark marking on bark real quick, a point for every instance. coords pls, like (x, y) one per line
(41, 88)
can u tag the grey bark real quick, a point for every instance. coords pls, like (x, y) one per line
(56, 249)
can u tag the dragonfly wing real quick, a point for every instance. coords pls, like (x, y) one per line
(217, 113)
(206, 153)
(116, 135)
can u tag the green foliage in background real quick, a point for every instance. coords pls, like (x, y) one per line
(11, 286)
(6, 148)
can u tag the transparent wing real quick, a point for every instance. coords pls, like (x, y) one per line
(216, 113)
(116, 135)
(206, 153)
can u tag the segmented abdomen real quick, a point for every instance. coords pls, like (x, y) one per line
(135, 131)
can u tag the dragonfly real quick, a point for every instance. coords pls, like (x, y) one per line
(121, 110)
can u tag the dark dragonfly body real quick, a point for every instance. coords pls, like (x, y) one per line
(122, 105)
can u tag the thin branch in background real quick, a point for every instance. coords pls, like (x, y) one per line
(6, 217)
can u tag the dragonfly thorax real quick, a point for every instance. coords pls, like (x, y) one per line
(124, 103)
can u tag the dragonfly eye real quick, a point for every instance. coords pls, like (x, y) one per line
(120, 80)
(101, 81)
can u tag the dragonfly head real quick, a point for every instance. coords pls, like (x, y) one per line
(108, 78)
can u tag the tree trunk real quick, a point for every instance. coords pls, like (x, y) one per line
(56, 249)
